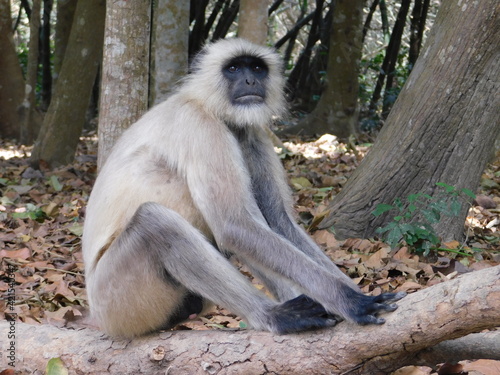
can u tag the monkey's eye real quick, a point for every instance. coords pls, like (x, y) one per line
(232, 68)
(257, 68)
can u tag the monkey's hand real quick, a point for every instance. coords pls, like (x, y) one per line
(364, 309)
(300, 314)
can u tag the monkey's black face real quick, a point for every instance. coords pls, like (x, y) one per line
(247, 80)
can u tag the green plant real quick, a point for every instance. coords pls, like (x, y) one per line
(415, 218)
(31, 212)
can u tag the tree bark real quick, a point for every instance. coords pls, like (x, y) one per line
(392, 54)
(65, 13)
(253, 20)
(337, 111)
(125, 70)
(28, 133)
(469, 303)
(417, 27)
(45, 55)
(441, 129)
(484, 345)
(369, 17)
(303, 76)
(11, 78)
(169, 47)
(391, 57)
(199, 32)
(226, 19)
(62, 127)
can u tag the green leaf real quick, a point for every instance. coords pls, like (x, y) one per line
(455, 207)
(32, 212)
(76, 229)
(432, 216)
(6, 201)
(440, 206)
(300, 182)
(394, 236)
(408, 215)
(398, 203)
(425, 247)
(446, 187)
(410, 239)
(412, 208)
(54, 182)
(413, 197)
(408, 228)
(387, 228)
(21, 215)
(382, 208)
(469, 193)
(55, 366)
(31, 207)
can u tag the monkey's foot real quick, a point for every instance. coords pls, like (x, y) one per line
(300, 314)
(364, 309)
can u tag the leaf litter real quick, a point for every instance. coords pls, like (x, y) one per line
(42, 213)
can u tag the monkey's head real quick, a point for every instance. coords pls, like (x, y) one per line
(238, 82)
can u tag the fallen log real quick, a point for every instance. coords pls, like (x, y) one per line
(469, 303)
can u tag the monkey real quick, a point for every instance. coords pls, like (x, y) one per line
(194, 183)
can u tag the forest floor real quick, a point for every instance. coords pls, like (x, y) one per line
(41, 223)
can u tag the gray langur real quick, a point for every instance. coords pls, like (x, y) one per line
(195, 181)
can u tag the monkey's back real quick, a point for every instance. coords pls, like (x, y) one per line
(149, 153)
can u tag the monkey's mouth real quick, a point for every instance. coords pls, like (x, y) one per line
(249, 99)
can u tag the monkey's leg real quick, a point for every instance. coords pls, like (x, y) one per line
(271, 193)
(181, 259)
(281, 288)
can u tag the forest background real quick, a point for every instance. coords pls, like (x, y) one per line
(74, 72)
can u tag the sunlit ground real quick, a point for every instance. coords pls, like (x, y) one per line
(13, 151)
(316, 152)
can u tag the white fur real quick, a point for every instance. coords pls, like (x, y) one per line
(181, 180)
(216, 100)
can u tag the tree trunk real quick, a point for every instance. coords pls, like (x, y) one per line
(392, 54)
(62, 127)
(45, 55)
(385, 20)
(337, 111)
(65, 13)
(417, 27)
(28, 133)
(369, 17)
(301, 79)
(253, 20)
(455, 308)
(441, 129)
(169, 47)
(226, 19)
(198, 33)
(11, 78)
(125, 70)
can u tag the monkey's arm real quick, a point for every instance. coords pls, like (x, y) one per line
(222, 189)
(273, 196)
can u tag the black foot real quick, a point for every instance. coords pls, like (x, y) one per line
(364, 309)
(301, 314)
